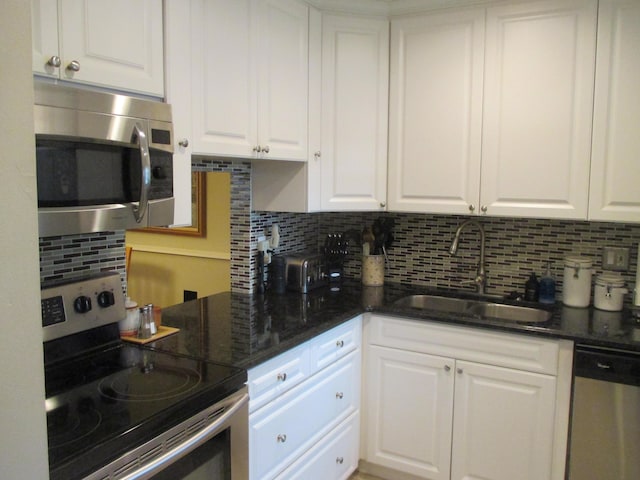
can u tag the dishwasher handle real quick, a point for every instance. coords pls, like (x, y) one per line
(609, 365)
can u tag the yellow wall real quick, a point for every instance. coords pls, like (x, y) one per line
(162, 266)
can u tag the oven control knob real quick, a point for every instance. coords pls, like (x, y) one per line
(82, 304)
(106, 299)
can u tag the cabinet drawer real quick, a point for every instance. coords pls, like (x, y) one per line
(294, 422)
(276, 376)
(335, 457)
(336, 343)
(521, 352)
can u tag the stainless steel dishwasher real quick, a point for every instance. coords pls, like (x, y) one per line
(605, 422)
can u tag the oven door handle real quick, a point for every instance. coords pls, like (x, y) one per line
(145, 181)
(149, 470)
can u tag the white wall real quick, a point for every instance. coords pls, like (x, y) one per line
(23, 443)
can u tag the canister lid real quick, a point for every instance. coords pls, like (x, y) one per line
(610, 280)
(578, 262)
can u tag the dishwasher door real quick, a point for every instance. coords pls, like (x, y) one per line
(605, 425)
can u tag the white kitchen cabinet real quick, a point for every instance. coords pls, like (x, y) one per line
(248, 78)
(537, 112)
(348, 97)
(445, 402)
(116, 44)
(318, 381)
(615, 159)
(435, 121)
(491, 110)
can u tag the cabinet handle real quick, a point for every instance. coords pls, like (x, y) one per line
(54, 61)
(74, 66)
(340, 343)
(484, 209)
(383, 204)
(317, 154)
(459, 370)
(340, 460)
(281, 438)
(339, 395)
(472, 207)
(257, 149)
(184, 142)
(447, 368)
(282, 376)
(265, 149)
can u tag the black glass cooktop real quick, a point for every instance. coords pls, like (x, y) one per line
(102, 404)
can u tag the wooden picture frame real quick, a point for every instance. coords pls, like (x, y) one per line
(198, 226)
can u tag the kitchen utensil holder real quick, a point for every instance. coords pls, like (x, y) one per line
(373, 270)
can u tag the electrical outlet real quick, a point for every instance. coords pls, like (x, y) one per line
(263, 245)
(615, 258)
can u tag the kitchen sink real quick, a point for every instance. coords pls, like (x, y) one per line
(512, 313)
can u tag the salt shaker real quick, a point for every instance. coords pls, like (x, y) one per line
(146, 320)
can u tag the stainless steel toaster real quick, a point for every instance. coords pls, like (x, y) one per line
(305, 271)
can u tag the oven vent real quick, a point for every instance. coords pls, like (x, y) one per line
(177, 439)
(149, 455)
(196, 427)
(213, 416)
(129, 467)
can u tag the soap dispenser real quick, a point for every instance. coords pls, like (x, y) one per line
(531, 288)
(547, 287)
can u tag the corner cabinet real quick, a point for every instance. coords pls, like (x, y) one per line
(95, 43)
(491, 110)
(318, 381)
(615, 160)
(247, 78)
(444, 402)
(348, 117)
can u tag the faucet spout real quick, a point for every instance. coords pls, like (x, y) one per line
(481, 278)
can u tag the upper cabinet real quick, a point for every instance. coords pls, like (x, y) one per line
(491, 110)
(93, 42)
(348, 98)
(615, 160)
(248, 78)
(435, 108)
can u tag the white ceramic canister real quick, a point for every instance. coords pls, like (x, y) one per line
(576, 287)
(608, 293)
(129, 324)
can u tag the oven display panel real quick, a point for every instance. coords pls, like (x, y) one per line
(52, 311)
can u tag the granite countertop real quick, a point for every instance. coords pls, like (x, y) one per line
(245, 330)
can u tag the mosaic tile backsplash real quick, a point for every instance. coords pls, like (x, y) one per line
(419, 255)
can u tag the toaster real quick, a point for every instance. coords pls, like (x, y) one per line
(305, 271)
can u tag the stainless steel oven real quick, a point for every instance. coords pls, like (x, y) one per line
(118, 410)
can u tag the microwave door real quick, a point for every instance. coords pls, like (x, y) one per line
(145, 177)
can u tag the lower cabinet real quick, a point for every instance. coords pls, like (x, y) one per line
(311, 424)
(435, 409)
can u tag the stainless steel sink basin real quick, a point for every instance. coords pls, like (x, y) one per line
(433, 302)
(512, 313)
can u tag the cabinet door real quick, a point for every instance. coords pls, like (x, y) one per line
(503, 423)
(44, 32)
(283, 79)
(410, 411)
(435, 112)
(355, 70)
(615, 160)
(117, 44)
(538, 100)
(223, 90)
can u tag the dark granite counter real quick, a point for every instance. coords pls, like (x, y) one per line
(245, 330)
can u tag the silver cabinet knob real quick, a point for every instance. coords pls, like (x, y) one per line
(340, 460)
(184, 142)
(459, 370)
(340, 343)
(447, 368)
(265, 149)
(282, 376)
(281, 438)
(339, 395)
(74, 66)
(472, 207)
(257, 149)
(317, 154)
(54, 61)
(483, 209)
(383, 204)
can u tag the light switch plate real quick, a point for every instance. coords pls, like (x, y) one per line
(615, 258)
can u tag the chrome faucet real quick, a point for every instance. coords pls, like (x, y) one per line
(481, 278)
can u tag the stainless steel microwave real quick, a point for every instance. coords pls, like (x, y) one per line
(103, 161)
